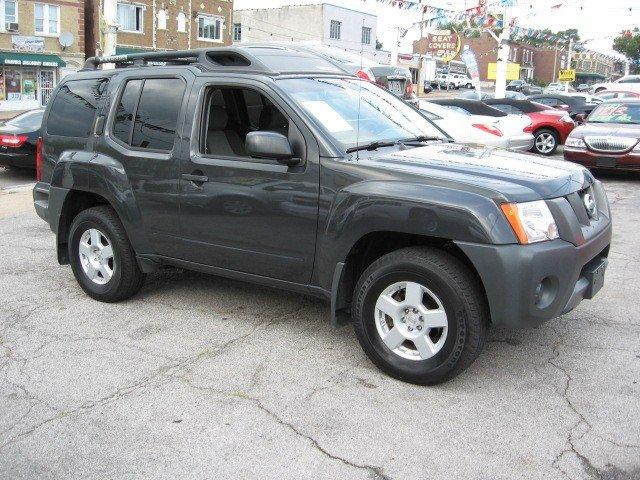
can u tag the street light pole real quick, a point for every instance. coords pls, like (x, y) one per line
(568, 66)
(109, 30)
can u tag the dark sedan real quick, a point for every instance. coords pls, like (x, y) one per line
(18, 138)
(610, 139)
(575, 105)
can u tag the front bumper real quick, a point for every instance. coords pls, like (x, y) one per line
(521, 142)
(511, 275)
(609, 161)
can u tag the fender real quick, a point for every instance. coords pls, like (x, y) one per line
(401, 207)
(101, 175)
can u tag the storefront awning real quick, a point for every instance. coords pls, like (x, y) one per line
(31, 59)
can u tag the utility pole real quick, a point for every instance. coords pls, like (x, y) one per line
(568, 66)
(109, 29)
(503, 54)
(395, 47)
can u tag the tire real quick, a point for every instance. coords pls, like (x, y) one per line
(118, 276)
(545, 141)
(449, 287)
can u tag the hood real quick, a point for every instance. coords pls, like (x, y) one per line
(501, 174)
(607, 130)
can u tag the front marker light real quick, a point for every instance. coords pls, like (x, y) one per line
(575, 142)
(531, 221)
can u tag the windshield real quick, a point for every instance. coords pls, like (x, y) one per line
(335, 102)
(616, 113)
(27, 120)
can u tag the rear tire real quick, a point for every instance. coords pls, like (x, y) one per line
(101, 256)
(545, 141)
(450, 313)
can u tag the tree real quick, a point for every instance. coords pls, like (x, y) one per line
(378, 44)
(628, 44)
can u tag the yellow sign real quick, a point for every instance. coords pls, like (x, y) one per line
(513, 71)
(567, 76)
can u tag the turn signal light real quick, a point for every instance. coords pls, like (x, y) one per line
(409, 89)
(13, 140)
(488, 129)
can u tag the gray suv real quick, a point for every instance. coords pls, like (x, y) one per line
(273, 166)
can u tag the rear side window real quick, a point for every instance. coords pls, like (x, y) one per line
(147, 113)
(74, 108)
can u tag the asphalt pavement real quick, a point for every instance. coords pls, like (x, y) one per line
(203, 377)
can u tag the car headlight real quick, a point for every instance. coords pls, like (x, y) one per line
(531, 221)
(575, 142)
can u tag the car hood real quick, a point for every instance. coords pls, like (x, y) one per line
(502, 174)
(607, 130)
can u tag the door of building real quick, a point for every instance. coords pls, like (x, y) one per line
(46, 81)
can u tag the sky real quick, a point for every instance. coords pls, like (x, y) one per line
(592, 20)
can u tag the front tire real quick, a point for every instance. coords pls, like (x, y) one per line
(545, 141)
(101, 256)
(419, 315)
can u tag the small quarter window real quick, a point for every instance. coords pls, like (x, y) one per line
(124, 112)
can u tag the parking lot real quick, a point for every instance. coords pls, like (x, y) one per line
(209, 378)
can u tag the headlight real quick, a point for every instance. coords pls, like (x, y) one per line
(531, 221)
(575, 142)
(566, 119)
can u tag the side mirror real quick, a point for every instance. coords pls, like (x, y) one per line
(271, 145)
(580, 118)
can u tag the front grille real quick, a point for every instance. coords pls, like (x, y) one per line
(610, 144)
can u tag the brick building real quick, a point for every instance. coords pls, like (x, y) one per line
(32, 55)
(593, 67)
(147, 25)
(548, 60)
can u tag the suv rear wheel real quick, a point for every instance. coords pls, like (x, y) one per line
(419, 314)
(101, 256)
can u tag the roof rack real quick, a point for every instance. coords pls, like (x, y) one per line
(231, 59)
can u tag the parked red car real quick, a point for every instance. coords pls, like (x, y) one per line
(616, 94)
(610, 138)
(550, 127)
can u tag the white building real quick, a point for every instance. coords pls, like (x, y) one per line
(323, 23)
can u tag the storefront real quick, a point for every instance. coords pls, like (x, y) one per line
(27, 79)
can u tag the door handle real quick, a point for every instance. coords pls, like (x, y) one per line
(197, 179)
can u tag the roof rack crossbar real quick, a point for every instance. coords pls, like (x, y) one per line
(140, 59)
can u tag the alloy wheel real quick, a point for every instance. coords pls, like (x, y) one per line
(411, 320)
(545, 143)
(96, 256)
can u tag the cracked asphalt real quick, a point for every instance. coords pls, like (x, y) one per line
(202, 377)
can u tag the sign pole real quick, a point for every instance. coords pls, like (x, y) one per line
(503, 55)
(566, 85)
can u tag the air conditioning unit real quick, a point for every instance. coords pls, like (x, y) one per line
(11, 27)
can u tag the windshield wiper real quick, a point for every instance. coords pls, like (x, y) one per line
(419, 138)
(371, 146)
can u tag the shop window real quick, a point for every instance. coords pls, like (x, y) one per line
(29, 83)
(162, 19)
(13, 84)
(182, 22)
(209, 28)
(9, 11)
(130, 17)
(74, 108)
(47, 19)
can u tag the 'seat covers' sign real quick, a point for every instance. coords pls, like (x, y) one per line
(444, 44)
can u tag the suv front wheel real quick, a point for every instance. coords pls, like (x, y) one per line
(419, 314)
(101, 256)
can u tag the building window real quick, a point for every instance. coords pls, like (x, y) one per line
(9, 10)
(182, 22)
(366, 35)
(237, 32)
(47, 19)
(130, 17)
(334, 30)
(209, 28)
(162, 19)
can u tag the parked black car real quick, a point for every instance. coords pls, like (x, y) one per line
(575, 105)
(420, 242)
(18, 138)
(523, 87)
